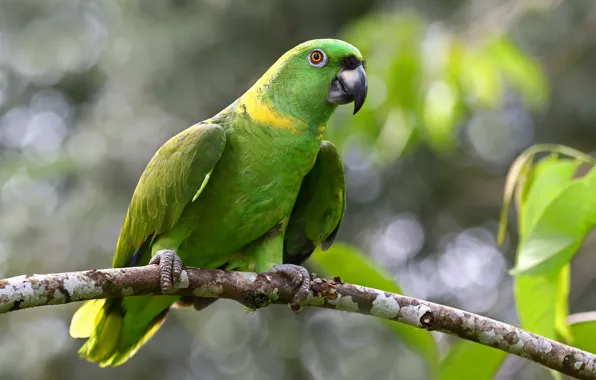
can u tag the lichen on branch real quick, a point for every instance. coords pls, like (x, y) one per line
(256, 290)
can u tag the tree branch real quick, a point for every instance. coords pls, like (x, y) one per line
(257, 290)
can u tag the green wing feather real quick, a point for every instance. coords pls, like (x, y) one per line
(319, 207)
(174, 177)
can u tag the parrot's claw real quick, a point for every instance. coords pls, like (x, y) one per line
(170, 267)
(300, 279)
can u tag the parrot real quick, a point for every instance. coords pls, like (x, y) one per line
(253, 188)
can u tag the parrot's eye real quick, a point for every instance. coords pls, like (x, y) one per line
(317, 58)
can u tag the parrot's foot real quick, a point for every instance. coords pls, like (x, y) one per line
(300, 279)
(170, 267)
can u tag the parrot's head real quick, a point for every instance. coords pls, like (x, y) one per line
(312, 79)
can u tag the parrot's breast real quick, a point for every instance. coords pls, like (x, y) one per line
(252, 188)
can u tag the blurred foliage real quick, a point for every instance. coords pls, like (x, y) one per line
(469, 360)
(424, 80)
(354, 267)
(457, 90)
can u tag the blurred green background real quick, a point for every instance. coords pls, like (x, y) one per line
(457, 89)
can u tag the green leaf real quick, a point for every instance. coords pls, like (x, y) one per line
(583, 330)
(541, 297)
(534, 254)
(469, 360)
(550, 176)
(519, 179)
(354, 267)
(556, 230)
(562, 305)
(541, 302)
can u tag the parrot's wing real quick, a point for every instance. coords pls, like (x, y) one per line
(319, 207)
(174, 177)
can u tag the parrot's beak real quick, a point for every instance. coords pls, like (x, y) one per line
(347, 86)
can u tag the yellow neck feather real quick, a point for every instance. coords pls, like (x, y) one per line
(263, 114)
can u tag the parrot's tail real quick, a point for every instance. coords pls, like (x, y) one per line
(113, 336)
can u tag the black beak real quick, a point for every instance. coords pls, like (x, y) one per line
(348, 86)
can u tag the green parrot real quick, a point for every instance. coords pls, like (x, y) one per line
(254, 188)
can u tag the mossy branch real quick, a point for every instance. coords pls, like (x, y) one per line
(257, 290)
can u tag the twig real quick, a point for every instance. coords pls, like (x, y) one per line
(258, 290)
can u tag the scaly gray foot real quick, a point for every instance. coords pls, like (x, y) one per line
(300, 279)
(170, 267)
